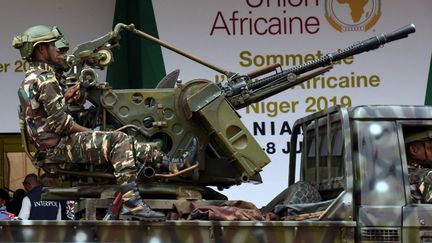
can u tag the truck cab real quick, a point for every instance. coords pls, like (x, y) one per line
(356, 158)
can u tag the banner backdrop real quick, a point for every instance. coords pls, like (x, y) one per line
(243, 35)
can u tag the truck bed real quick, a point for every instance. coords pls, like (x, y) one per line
(176, 231)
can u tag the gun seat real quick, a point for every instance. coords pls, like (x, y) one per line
(49, 166)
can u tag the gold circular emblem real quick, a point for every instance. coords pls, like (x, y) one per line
(352, 15)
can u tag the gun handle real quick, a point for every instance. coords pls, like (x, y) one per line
(263, 70)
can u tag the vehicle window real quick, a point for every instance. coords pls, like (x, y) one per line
(418, 159)
(327, 168)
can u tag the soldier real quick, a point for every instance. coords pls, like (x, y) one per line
(58, 137)
(419, 156)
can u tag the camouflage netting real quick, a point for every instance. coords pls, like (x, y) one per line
(298, 202)
(228, 211)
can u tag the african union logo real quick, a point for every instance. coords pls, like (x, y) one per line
(352, 15)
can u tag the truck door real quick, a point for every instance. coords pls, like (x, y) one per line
(417, 216)
(379, 181)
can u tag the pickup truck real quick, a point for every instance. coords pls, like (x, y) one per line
(353, 158)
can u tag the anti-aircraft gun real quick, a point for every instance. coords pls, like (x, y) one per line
(172, 113)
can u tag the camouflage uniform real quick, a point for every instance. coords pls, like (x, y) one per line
(48, 124)
(420, 183)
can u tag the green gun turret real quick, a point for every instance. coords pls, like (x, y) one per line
(229, 154)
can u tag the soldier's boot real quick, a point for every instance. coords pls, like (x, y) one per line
(134, 207)
(187, 159)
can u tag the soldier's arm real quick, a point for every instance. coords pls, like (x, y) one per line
(52, 99)
(426, 186)
(72, 93)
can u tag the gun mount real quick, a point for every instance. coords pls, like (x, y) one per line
(170, 116)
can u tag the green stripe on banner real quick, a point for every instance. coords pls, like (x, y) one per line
(428, 98)
(138, 63)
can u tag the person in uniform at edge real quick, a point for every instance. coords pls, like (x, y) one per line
(419, 156)
(60, 138)
(33, 207)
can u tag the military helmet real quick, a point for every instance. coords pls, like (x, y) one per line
(35, 35)
(419, 136)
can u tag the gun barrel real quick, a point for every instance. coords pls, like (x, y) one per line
(359, 47)
(374, 42)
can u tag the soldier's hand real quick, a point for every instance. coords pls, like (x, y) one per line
(72, 93)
